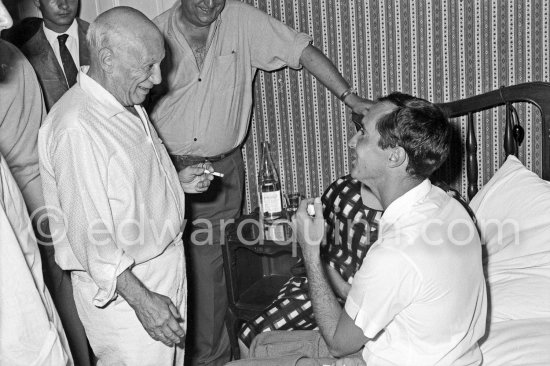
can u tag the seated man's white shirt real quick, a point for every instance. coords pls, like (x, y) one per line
(420, 293)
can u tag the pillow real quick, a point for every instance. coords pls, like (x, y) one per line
(513, 213)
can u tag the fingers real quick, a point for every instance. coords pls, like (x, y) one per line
(176, 329)
(168, 337)
(302, 209)
(318, 207)
(208, 166)
(174, 311)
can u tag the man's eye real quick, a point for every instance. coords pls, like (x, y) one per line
(357, 122)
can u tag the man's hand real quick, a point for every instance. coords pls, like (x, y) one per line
(310, 230)
(159, 318)
(156, 312)
(357, 104)
(193, 178)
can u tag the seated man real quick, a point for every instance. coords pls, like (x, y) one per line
(419, 297)
(351, 213)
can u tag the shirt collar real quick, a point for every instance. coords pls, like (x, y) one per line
(404, 204)
(51, 36)
(91, 87)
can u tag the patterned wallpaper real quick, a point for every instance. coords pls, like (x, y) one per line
(440, 50)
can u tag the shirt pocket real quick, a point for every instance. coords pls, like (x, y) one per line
(225, 72)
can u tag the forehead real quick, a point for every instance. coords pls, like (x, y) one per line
(374, 114)
(144, 48)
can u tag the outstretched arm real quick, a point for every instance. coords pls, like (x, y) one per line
(324, 70)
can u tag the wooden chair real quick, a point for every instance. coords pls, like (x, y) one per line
(255, 270)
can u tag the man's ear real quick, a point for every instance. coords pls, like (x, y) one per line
(398, 157)
(106, 59)
(37, 3)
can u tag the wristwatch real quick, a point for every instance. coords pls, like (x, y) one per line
(346, 92)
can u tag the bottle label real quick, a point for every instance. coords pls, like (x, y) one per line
(271, 202)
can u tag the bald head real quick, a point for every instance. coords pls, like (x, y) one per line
(126, 49)
(120, 26)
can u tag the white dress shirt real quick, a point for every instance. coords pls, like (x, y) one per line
(420, 293)
(72, 43)
(109, 184)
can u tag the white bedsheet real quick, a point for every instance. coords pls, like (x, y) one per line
(518, 342)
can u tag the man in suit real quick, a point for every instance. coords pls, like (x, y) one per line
(55, 45)
(45, 45)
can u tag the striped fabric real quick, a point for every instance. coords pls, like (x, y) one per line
(440, 50)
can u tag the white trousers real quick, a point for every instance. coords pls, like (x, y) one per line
(116, 335)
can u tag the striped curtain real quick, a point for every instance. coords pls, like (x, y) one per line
(435, 49)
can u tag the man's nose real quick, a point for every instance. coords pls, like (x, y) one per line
(156, 76)
(63, 4)
(5, 18)
(352, 142)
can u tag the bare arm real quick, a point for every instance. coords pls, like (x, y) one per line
(324, 70)
(156, 312)
(339, 331)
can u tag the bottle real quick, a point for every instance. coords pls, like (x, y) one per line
(269, 186)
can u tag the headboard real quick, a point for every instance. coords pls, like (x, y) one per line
(536, 93)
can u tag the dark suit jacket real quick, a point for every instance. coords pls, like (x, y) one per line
(29, 36)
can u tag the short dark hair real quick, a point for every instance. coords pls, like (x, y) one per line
(421, 128)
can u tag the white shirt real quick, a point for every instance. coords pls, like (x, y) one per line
(420, 292)
(206, 112)
(31, 332)
(71, 43)
(107, 174)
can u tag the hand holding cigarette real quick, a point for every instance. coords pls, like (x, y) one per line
(196, 178)
(217, 174)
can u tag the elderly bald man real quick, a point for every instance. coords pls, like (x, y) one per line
(115, 201)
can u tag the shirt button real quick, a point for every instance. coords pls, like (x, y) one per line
(200, 79)
(195, 139)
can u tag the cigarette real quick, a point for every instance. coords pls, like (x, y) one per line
(214, 173)
(311, 209)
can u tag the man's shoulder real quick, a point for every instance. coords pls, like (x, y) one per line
(67, 112)
(21, 33)
(238, 8)
(83, 25)
(161, 20)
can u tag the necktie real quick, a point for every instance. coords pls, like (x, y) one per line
(68, 63)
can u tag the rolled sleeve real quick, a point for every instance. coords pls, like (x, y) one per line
(84, 203)
(106, 277)
(273, 43)
(385, 284)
